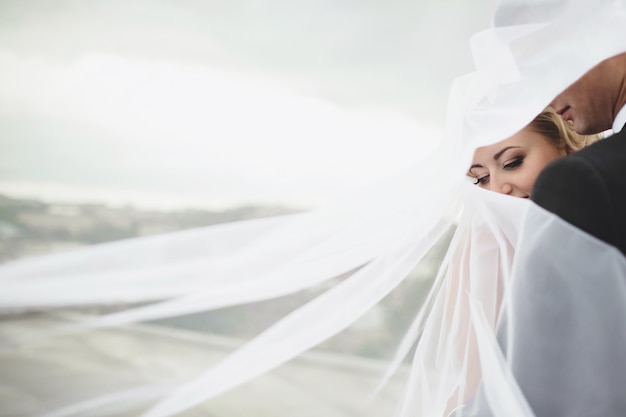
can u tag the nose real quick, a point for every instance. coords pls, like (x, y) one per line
(502, 187)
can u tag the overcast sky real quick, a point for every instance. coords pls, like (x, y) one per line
(217, 103)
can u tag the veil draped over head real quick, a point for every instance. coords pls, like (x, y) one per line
(517, 321)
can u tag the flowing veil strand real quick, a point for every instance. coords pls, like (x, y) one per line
(507, 309)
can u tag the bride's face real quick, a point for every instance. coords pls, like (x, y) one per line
(512, 166)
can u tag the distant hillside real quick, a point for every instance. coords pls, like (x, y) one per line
(31, 227)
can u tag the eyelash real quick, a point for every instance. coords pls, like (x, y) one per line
(516, 162)
(481, 180)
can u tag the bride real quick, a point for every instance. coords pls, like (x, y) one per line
(513, 165)
(509, 272)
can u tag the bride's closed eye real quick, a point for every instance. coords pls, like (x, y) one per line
(517, 161)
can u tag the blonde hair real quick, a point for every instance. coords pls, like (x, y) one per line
(560, 132)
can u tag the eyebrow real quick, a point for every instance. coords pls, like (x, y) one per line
(496, 156)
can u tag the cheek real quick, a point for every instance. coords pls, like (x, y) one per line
(527, 181)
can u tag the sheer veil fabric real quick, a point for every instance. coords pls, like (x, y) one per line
(519, 314)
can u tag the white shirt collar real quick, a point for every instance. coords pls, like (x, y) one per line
(620, 120)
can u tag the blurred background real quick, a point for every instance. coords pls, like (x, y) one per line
(120, 119)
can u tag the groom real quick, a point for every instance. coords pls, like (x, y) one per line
(567, 345)
(565, 342)
(588, 188)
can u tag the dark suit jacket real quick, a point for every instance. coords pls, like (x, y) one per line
(588, 189)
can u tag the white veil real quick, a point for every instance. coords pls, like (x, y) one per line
(513, 324)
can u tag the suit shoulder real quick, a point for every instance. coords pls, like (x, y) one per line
(572, 174)
(573, 189)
